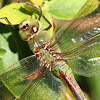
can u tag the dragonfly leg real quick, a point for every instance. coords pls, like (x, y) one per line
(48, 23)
(54, 27)
(45, 19)
(40, 14)
(8, 22)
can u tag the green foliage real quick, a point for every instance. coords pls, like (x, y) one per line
(67, 10)
(2, 52)
(16, 12)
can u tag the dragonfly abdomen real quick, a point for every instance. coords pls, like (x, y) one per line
(74, 87)
(64, 72)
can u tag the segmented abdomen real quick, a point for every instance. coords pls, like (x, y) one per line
(64, 72)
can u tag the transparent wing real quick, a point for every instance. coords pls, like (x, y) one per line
(23, 81)
(48, 88)
(73, 33)
(13, 76)
(84, 58)
(79, 47)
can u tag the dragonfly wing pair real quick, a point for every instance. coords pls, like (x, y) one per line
(22, 81)
(83, 52)
(78, 47)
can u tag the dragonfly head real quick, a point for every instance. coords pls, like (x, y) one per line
(28, 28)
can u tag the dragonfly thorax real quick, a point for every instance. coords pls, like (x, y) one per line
(43, 52)
(46, 55)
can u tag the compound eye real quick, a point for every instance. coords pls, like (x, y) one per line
(35, 29)
(25, 26)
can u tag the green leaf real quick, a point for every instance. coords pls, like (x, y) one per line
(67, 10)
(15, 48)
(15, 13)
(2, 52)
(6, 60)
(37, 2)
(94, 84)
(5, 94)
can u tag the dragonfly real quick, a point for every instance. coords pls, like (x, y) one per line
(54, 57)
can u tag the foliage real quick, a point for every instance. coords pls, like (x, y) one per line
(16, 12)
